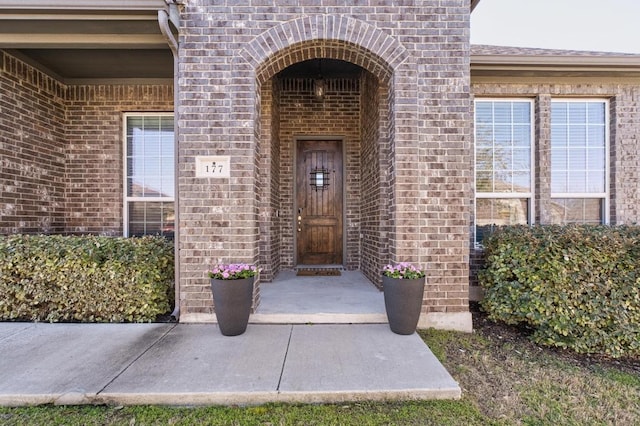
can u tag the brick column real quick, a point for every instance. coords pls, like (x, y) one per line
(542, 159)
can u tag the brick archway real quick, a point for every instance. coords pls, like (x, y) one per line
(387, 72)
(324, 36)
(417, 113)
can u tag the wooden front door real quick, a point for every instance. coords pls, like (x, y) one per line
(319, 193)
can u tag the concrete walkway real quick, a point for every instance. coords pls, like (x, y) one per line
(193, 364)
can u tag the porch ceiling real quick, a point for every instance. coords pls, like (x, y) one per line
(89, 45)
(327, 68)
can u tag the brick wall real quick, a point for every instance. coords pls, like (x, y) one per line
(269, 178)
(624, 162)
(275, 201)
(94, 151)
(62, 150)
(418, 50)
(32, 152)
(375, 185)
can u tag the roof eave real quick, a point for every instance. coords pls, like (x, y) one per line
(83, 5)
(550, 62)
(474, 3)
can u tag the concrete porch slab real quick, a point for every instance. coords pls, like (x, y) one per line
(68, 363)
(349, 298)
(186, 364)
(195, 364)
(8, 329)
(344, 363)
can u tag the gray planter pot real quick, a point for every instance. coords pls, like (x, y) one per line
(403, 303)
(232, 301)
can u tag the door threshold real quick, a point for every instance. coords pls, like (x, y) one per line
(302, 266)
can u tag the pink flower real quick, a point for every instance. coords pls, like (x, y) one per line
(233, 271)
(402, 270)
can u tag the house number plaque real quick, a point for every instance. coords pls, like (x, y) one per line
(213, 166)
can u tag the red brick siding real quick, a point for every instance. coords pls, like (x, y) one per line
(62, 150)
(94, 151)
(420, 49)
(269, 179)
(375, 174)
(32, 153)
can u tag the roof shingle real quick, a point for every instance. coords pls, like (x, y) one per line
(489, 50)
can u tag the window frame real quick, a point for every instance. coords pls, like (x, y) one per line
(125, 175)
(606, 195)
(532, 148)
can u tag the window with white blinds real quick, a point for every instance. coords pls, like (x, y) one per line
(579, 161)
(150, 175)
(503, 160)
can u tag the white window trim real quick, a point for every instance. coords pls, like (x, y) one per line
(607, 160)
(126, 199)
(529, 195)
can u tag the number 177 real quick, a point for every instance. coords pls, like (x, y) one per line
(214, 167)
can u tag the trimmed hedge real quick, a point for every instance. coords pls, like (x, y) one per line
(85, 278)
(578, 287)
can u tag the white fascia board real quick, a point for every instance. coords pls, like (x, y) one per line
(83, 5)
(86, 15)
(540, 62)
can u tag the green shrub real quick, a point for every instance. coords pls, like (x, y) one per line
(577, 287)
(85, 278)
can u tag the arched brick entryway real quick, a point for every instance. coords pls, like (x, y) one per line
(415, 70)
(368, 140)
(336, 37)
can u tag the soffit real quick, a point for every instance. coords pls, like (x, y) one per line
(325, 68)
(120, 41)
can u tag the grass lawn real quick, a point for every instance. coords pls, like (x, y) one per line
(505, 380)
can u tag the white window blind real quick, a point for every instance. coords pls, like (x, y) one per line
(579, 161)
(503, 160)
